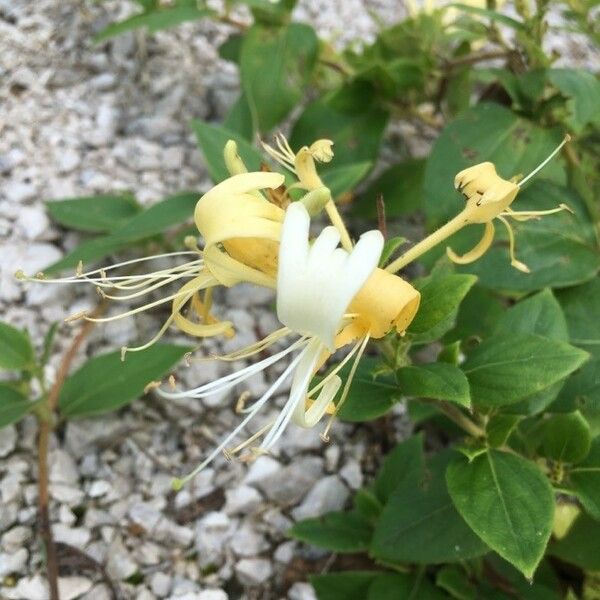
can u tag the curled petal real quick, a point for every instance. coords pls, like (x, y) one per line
(478, 251)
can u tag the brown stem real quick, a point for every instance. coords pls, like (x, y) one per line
(44, 514)
(471, 59)
(46, 424)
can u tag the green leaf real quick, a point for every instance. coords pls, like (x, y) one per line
(390, 247)
(440, 299)
(581, 546)
(153, 221)
(584, 480)
(355, 127)
(487, 132)
(396, 586)
(583, 90)
(239, 120)
(560, 249)
(349, 585)
(581, 305)
(456, 582)
(499, 428)
(401, 187)
(98, 214)
(540, 314)
(566, 437)
(104, 383)
(406, 460)
(13, 405)
(16, 351)
(477, 315)
(419, 523)
(212, 140)
(157, 18)
(370, 395)
(506, 368)
(345, 178)
(344, 532)
(508, 502)
(275, 65)
(367, 504)
(437, 381)
(493, 15)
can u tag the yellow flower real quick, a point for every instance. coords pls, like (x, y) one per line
(488, 197)
(328, 298)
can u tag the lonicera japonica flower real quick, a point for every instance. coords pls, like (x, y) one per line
(319, 288)
(488, 197)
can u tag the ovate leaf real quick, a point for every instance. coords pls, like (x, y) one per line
(581, 546)
(173, 210)
(584, 480)
(336, 531)
(393, 586)
(156, 17)
(419, 523)
(13, 405)
(401, 188)
(437, 381)
(16, 351)
(506, 368)
(212, 140)
(508, 502)
(582, 88)
(440, 299)
(371, 395)
(566, 437)
(356, 126)
(275, 65)
(105, 383)
(98, 214)
(349, 585)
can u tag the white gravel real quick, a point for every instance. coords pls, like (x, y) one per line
(78, 119)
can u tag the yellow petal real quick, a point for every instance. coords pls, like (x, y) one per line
(476, 252)
(384, 302)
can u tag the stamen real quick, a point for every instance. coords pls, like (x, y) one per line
(526, 215)
(517, 264)
(179, 483)
(363, 346)
(566, 139)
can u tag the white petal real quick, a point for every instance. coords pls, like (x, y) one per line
(315, 285)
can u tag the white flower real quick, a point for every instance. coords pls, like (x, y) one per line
(315, 285)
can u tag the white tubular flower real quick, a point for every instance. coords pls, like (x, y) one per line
(315, 285)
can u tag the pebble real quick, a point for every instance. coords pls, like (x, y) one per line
(248, 542)
(8, 440)
(301, 591)
(352, 474)
(213, 595)
(253, 571)
(13, 562)
(33, 221)
(212, 533)
(287, 486)
(63, 469)
(160, 584)
(120, 565)
(73, 536)
(16, 538)
(242, 499)
(327, 495)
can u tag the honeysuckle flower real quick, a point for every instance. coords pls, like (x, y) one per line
(488, 197)
(302, 164)
(241, 230)
(319, 286)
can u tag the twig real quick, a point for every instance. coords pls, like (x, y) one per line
(381, 220)
(471, 59)
(46, 424)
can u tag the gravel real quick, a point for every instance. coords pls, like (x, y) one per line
(79, 119)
